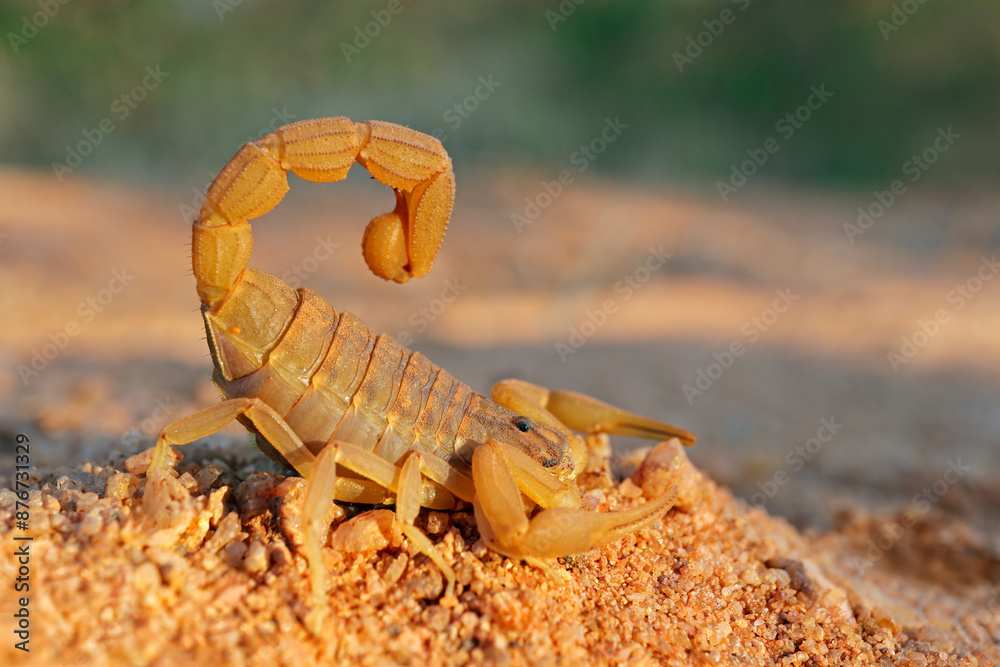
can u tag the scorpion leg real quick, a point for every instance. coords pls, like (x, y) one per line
(411, 491)
(407, 507)
(440, 471)
(557, 531)
(323, 483)
(581, 412)
(213, 419)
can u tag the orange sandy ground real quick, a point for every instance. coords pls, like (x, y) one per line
(215, 573)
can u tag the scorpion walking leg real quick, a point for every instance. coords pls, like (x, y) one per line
(407, 508)
(213, 419)
(411, 491)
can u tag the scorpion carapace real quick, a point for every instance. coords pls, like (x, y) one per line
(362, 418)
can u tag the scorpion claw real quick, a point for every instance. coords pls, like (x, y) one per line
(589, 415)
(553, 532)
(580, 412)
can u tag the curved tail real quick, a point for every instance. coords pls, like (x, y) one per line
(397, 245)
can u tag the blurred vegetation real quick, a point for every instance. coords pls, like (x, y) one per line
(234, 66)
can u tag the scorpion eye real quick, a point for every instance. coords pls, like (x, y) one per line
(549, 463)
(523, 424)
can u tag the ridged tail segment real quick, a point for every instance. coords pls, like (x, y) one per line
(252, 183)
(329, 375)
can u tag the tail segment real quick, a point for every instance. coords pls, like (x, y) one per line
(397, 245)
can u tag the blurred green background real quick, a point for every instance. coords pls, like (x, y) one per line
(231, 68)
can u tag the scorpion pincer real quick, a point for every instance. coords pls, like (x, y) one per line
(359, 416)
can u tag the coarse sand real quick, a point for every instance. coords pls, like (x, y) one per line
(886, 472)
(210, 571)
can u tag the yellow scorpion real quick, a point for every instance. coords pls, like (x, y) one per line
(359, 416)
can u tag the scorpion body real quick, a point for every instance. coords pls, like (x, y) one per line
(331, 386)
(359, 416)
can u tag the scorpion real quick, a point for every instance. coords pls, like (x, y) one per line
(359, 416)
